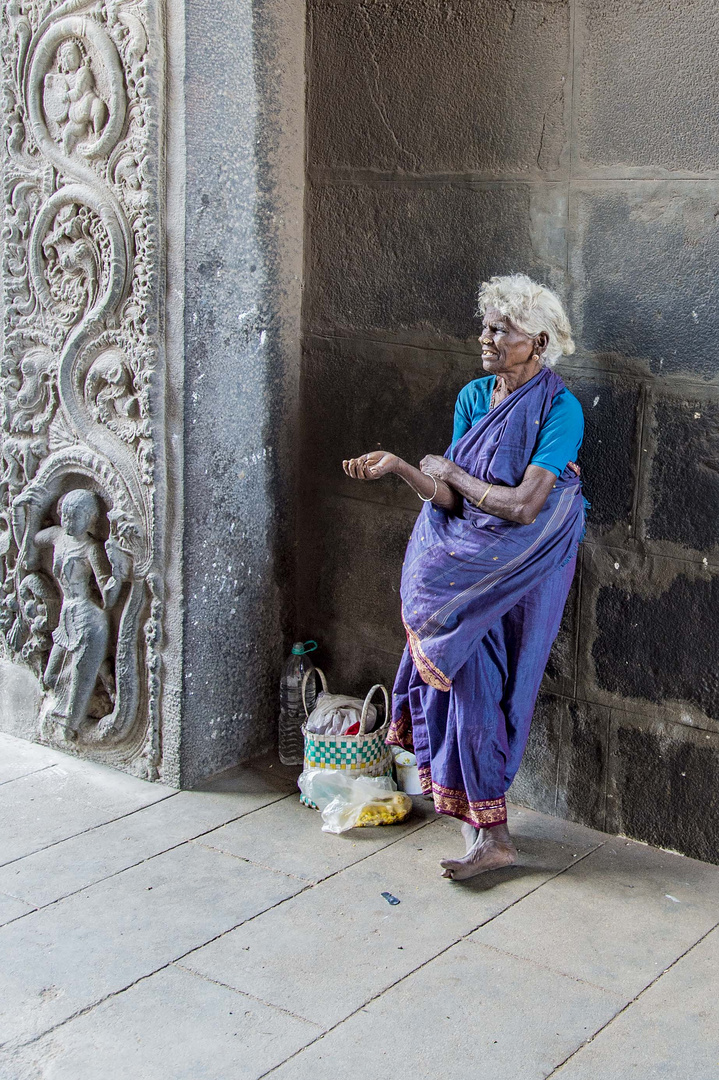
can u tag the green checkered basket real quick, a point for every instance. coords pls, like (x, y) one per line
(361, 754)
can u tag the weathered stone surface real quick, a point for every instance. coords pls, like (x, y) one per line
(59, 961)
(18, 759)
(608, 919)
(683, 441)
(169, 1025)
(500, 1011)
(411, 256)
(244, 154)
(385, 945)
(670, 1030)
(313, 855)
(662, 785)
(42, 815)
(626, 51)
(609, 452)
(360, 396)
(421, 87)
(98, 851)
(535, 784)
(350, 658)
(637, 647)
(354, 573)
(643, 256)
(582, 772)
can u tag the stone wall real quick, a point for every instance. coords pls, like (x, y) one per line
(574, 141)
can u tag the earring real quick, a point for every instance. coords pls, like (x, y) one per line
(535, 357)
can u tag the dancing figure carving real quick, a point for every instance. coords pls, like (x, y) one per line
(90, 576)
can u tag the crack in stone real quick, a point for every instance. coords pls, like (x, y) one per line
(251, 997)
(376, 94)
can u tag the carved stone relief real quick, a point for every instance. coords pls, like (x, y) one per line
(80, 498)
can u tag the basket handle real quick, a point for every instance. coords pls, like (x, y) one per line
(323, 680)
(367, 700)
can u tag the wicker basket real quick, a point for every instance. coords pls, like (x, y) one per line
(361, 754)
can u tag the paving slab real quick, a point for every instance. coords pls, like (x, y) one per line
(670, 1031)
(75, 952)
(279, 777)
(171, 1026)
(12, 908)
(74, 864)
(312, 854)
(19, 757)
(617, 919)
(472, 1014)
(326, 952)
(53, 804)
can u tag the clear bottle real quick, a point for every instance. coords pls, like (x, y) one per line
(292, 713)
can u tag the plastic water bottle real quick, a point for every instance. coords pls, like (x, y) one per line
(292, 712)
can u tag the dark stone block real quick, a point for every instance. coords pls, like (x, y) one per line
(352, 662)
(560, 671)
(644, 256)
(351, 557)
(582, 779)
(419, 86)
(660, 645)
(407, 259)
(535, 785)
(649, 84)
(360, 396)
(609, 452)
(683, 481)
(663, 785)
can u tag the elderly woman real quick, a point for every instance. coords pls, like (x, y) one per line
(488, 567)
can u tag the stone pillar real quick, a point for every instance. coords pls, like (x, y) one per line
(149, 371)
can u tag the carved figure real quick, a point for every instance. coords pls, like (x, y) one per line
(90, 576)
(110, 394)
(29, 392)
(40, 605)
(73, 258)
(71, 97)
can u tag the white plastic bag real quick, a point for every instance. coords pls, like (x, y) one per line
(335, 714)
(346, 801)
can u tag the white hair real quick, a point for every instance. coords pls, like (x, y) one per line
(533, 308)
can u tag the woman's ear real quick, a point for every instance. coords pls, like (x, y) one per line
(541, 341)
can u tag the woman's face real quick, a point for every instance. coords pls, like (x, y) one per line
(504, 345)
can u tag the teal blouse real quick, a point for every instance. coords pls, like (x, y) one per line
(560, 436)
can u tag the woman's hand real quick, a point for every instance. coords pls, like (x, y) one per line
(371, 466)
(439, 467)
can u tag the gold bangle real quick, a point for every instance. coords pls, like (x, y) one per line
(479, 504)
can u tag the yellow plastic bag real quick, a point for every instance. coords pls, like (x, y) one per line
(348, 802)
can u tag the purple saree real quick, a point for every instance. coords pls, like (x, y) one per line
(482, 600)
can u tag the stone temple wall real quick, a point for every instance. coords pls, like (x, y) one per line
(574, 140)
(152, 174)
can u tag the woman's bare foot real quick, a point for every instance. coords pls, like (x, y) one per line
(492, 849)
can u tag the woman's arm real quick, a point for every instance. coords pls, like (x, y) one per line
(379, 463)
(520, 504)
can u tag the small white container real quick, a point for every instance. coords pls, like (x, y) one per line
(405, 765)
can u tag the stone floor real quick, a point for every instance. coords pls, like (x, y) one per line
(216, 934)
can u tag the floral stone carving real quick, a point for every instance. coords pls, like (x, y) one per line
(80, 494)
